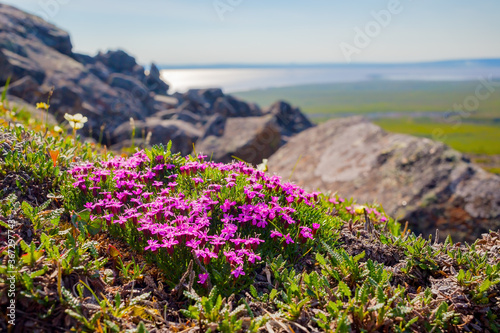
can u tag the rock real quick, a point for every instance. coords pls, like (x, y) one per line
(24, 88)
(84, 59)
(166, 102)
(165, 114)
(215, 126)
(187, 116)
(229, 106)
(251, 139)
(130, 84)
(154, 72)
(31, 47)
(67, 96)
(15, 67)
(31, 27)
(138, 73)
(211, 95)
(415, 179)
(183, 135)
(290, 119)
(154, 82)
(192, 97)
(117, 60)
(99, 70)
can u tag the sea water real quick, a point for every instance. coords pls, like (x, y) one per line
(243, 79)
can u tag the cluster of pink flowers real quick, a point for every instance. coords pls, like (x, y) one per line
(172, 210)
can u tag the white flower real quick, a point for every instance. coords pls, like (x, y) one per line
(263, 165)
(76, 121)
(359, 209)
(58, 129)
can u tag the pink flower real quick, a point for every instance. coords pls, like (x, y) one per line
(252, 257)
(197, 180)
(193, 243)
(90, 206)
(226, 206)
(227, 218)
(334, 201)
(315, 228)
(238, 271)
(288, 239)
(275, 233)
(152, 245)
(202, 278)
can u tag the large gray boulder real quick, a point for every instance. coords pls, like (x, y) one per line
(415, 179)
(251, 139)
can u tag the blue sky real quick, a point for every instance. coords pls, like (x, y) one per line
(277, 31)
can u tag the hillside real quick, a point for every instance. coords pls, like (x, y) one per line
(159, 242)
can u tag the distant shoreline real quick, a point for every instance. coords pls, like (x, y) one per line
(253, 78)
(493, 62)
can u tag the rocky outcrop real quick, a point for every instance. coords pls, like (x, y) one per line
(110, 88)
(119, 61)
(37, 56)
(183, 135)
(291, 120)
(415, 179)
(228, 106)
(228, 126)
(154, 82)
(250, 139)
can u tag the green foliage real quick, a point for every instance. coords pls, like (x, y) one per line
(213, 313)
(128, 273)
